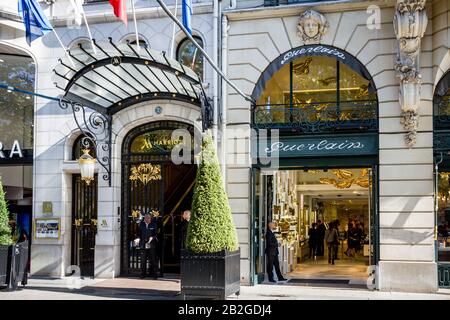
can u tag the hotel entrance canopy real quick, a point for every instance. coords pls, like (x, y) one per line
(120, 75)
(99, 83)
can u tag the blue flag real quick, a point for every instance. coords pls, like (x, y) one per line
(186, 7)
(35, 21)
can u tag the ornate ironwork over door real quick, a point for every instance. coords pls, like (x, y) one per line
(84, 224)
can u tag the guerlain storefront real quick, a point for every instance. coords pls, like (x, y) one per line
(315, 156)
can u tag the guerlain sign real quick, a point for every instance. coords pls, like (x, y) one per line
(317, 146)
(312, 50)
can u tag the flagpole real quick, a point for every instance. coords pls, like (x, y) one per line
(64, 48)
(199, 47)
(173, 32)
(138, 47)
(89, 32)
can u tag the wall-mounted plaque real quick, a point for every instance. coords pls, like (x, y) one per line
(47, 207)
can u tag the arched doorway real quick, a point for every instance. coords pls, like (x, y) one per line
(441, 145)
(323, 103)
(153, 183)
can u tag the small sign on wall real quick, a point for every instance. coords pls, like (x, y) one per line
(47, 228)
(47, 207)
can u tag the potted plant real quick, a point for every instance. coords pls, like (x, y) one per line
(13, 257)
(210, 265)
(5, 238)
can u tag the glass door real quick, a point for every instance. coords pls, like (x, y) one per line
(372, 241)
(262, 190)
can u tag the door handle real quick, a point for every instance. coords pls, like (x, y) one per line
(78, 222)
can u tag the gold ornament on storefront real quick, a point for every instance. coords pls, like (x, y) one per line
(302, 67)
(145, 173)
(346, 179)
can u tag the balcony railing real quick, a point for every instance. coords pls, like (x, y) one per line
(271, 3)
(318, 117)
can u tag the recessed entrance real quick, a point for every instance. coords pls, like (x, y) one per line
(305, 203)
(153, 184)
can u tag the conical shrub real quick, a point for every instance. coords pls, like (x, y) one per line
(5, 230)
(211, 228)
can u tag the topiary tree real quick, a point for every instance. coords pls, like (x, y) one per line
(5, 230)
(211, 228)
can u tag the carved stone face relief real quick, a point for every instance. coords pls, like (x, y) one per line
(312, 26)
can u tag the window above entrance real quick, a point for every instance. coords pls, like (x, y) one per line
(315, 93)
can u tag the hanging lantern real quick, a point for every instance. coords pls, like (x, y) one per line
(87, 166)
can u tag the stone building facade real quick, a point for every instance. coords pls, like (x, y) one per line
(249, 37)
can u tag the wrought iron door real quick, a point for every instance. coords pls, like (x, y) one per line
(164, 196)
(84, 224)
(152, 183)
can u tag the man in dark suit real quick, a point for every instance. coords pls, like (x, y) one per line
(320, 238)
(148, 241)
(272, 253)
(184, 227)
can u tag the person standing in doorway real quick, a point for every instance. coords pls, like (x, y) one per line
(186, 216)
(332, 239)
(148, 240)
(272, 253)
(337, 244)
(312, 241)
(320, 238)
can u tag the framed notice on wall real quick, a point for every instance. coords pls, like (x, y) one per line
(47, 228)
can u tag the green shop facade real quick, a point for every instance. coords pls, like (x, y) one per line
(316, 111)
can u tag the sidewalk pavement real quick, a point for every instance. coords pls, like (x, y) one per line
(169, 288)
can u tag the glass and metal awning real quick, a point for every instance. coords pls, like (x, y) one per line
(119, 75)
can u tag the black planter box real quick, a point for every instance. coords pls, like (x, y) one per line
(4, 261)
(13, 265)
(210, 275)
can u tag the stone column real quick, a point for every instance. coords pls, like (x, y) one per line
(406, 214)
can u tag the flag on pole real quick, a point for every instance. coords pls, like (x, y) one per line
(186, 7)
(35, 21)
(79, 16)
(120, 10)
(78, 8)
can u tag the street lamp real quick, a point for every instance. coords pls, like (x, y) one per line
(87, 166)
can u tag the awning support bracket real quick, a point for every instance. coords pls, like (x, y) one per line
(97, 130)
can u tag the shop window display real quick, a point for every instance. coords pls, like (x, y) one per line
(16, 142)
(315, 88)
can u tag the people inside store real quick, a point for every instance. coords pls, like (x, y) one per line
(336, 247)
(352, 240)
(186, 216)
(312, 240)
(359, 236)
(443, 229)
(320, 238)
(148, 241)
(332, 240)
(272, 253)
